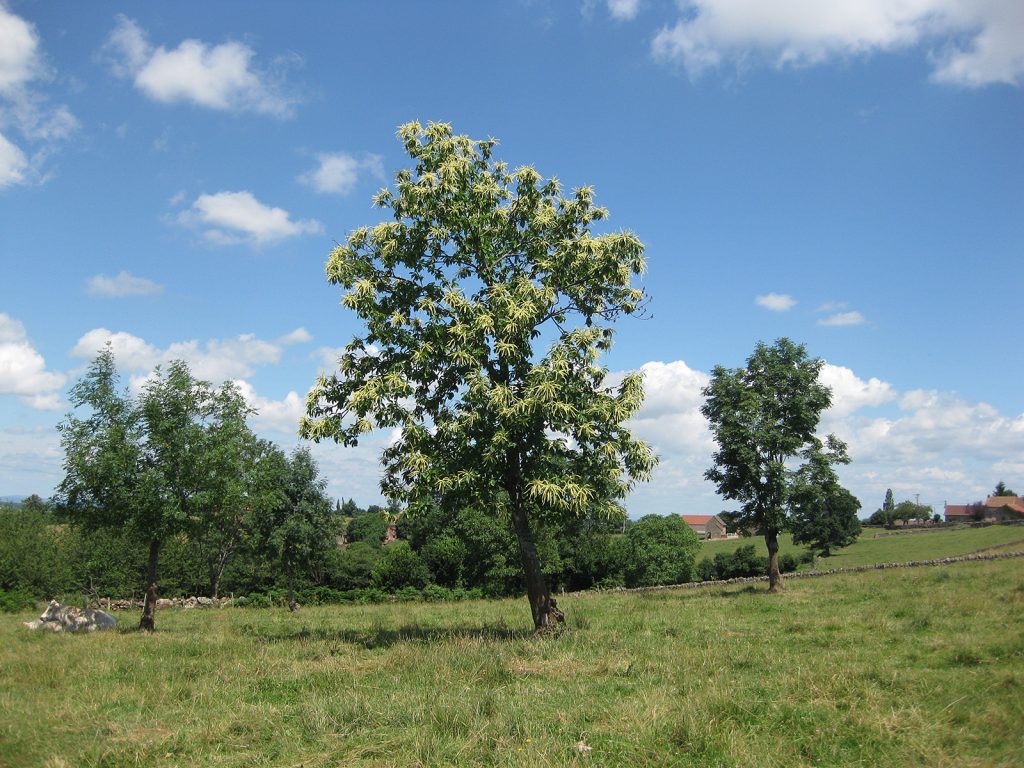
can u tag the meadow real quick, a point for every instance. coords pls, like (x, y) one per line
(883, 546)
(885, 668)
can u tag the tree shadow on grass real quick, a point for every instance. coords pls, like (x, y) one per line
(385, 637)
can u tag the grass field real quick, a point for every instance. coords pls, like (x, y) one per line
(879, 546)
(884, 668)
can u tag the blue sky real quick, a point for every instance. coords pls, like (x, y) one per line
(848, 174)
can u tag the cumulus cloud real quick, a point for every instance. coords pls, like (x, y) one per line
(23, 370)
(121, 284)
(776, 302)
(298, 336)
(339, 172)
(23, 107)
(231, 218)
(936, 444)
(970, 42)
(215, 360)
(851, 393)
(843, 318)
(623, 10)
(279, 416)
(221, 77)
(13, 164)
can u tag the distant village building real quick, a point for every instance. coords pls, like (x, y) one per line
(995, 509)
(706, 526)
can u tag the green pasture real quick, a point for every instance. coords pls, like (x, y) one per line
(885, 668)
(883, 546)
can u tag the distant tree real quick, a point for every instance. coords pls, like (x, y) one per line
(371, 526)
(888, 505)
(764, 416)
(35, 503)
(909, 510)
(1002, 490)
(294, 532)
(824, 514)
(662, 550)
(476, 266)
(351, 509)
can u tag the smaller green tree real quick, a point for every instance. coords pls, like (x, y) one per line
(293, 532)
(824, 513)
(906, 511)
(763, 416)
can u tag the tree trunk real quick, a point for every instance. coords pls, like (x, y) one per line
(148, 620)
(214, 584)
(543, 606)
(771, 538)
(292, 605)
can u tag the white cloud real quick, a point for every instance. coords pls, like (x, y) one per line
(843, 318)
(13, 163)
(851, 393)
(280, 416)
(971, 42)
(231, 218)
(23, 107)
(298, 336)
(20, 61)
(623, 10)
(925, 442)
(216, 360)
(121, 284)
(776, 302)
(218, 77)
(23, 370)
(338, 172)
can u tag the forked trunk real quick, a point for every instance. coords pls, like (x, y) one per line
(148, 620)
(771, 538)
(542, 605)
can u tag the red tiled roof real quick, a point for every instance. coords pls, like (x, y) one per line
(959, 510)
(696, 519)
(1016, 503)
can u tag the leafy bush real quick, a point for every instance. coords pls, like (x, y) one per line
(16, 600)
(352, 567)
(399, 567)
(661, 550)
(370, 527)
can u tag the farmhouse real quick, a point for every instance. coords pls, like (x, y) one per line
(995, 509)
(706, 526)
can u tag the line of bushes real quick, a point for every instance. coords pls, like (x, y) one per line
(744, 561)
(439, 556)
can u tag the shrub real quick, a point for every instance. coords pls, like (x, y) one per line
(662, 550)
(398, 567)
(352, 567)
(370, 527)
(16, 600)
